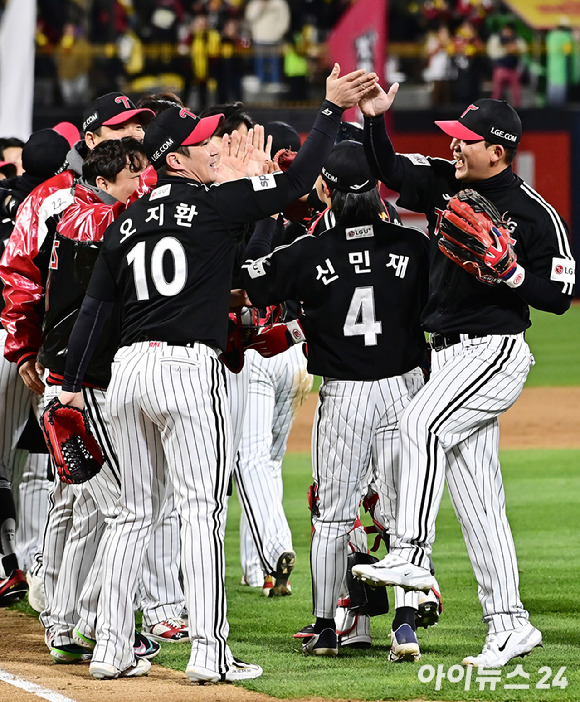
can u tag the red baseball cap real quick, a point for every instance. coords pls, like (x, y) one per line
(112, 109)
(175, 127)
(68, 131)
(492, 120)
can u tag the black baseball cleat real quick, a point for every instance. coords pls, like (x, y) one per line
(323, 644)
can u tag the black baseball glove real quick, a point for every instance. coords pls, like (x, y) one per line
(475, 236)
(71, 443)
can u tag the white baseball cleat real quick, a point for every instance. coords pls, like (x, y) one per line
(104, 671)
(394, 570)
(238, 670)
(501, 648)
(404, 645)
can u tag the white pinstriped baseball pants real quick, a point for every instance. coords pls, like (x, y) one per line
(24, 473)
(170, 423)
(450, 431)
(278, 387)
(72, 569)
(354, 440)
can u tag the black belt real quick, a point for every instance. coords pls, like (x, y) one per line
(438, 342)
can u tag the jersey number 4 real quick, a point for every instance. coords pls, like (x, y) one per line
(360, 318)
(166, 246)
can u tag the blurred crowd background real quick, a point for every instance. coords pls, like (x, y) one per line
(273, 51)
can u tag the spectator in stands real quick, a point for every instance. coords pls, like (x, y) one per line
(440, 69)
(562, 62)
(506, 51)
(73, 57)
(268, 22)
(467, 49)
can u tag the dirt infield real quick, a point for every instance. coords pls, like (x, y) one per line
(542, 418)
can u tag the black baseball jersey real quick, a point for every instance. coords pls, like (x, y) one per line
(169, 257)
(458, 302)
(361, 289)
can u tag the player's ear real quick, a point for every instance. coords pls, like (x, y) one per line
(90, 140)
(172, 161)
(497, 153)
(102, 183)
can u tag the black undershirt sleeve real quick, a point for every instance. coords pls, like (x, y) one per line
(84, 339)
(261, 242)
(313, 153)
(381, 154)
(542, 294)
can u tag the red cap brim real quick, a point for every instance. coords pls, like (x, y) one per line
(125, 116)
(68, 131)
(455, 129)
(204, 129)
(6, 163)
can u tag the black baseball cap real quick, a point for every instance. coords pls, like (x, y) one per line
(284, 136)
(112, 109)
(492, 120)
(347, 169)
(44, 153)
(176, 127)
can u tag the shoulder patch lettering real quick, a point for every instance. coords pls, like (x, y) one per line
(417, 159)
(359, 232)
(161, 191)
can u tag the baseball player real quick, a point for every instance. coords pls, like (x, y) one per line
(111, 174)
(168, 261)
(43, 155)
(24, 266)
(277, 387)
(480, 360)
(367, 348)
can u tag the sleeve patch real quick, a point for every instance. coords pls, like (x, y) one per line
(161, 191)
(263, 182)
(256, 269)
(563, 270)
(417, 159)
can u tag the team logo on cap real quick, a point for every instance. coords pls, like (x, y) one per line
(184, 112)
(125, 100)
(467, 109)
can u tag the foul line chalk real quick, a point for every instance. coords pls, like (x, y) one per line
(33, 688)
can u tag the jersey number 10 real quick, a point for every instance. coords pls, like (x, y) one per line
(136, 258)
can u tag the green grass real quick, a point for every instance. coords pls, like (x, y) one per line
(546, 533)
(555, 342)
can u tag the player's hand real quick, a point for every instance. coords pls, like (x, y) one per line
(278, 338)
(74, 399)
(239, 298)
(376, 101)
(31, 377)
(346, 91)
(261, 162)
(236, 153)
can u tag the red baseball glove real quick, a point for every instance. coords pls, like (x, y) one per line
(72, 445)
(475, 236)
